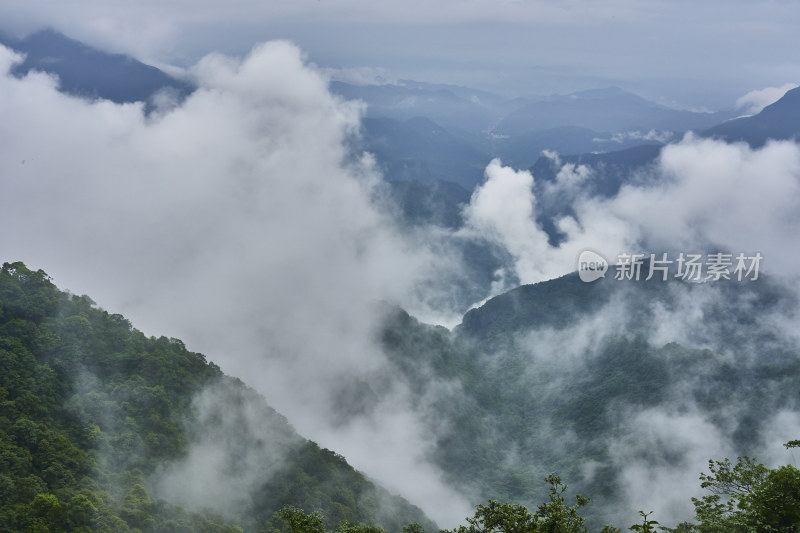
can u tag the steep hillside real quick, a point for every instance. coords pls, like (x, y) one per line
(91, 73)
(104, 429)
(778, 121)
(598, 381)
(421, 150)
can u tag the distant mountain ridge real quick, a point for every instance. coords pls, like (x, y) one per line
(610, 109)
(779, 121)
(467, 127)
(450, 107)
(420, 149)
(611, 170)
(90, 73)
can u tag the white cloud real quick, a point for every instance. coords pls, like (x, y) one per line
(705, 194)
(781, 428)
(652, 135)
(645, 450)
(237, 221)
(753, 102)
(236, 445)
(503, 208)
(701, 195)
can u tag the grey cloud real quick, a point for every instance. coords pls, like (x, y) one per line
(238, 221)
(237, 445)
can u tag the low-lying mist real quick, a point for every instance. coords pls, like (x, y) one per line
(239, 221)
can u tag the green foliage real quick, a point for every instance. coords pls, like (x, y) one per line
(519, 379)
(499, 517)
(748, 496)
(296, 521)
(647, 526)
(292, 519)
(552, 516)
(555, 516)
(90, 408)
(775, 502)
(504, 399)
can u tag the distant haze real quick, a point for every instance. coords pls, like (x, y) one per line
(683, 53)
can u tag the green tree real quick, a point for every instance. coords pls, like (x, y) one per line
(296, 520)
(499, 517)
(647, 526)
(48, 509)
(555, 516)
(748, 497)
(346, 527)
(775, 502)
(552, 516)
(727, 507)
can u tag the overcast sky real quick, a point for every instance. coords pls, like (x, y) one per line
(692, 54)
(240, 222)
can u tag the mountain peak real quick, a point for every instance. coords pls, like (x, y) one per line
(777, 121)
(600, 94)
(88, 72)
(788, 102)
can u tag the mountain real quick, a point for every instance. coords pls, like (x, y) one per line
(439, 203)
(526, 149)
(609, 172)
(606, 383)
(87, 72)
(428, 132)
(610, 109)
(779, 121)
(104, 429)
(418, 131)
(421, 150)
(453, 107)
(612, 169)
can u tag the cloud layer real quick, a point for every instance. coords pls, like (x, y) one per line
(238, 221)
(510, 46)
(754, 101)
(702, 195)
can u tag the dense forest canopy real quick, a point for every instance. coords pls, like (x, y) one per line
(96, 417)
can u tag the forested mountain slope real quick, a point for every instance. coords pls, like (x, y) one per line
(105, 429)
(610, 384)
